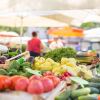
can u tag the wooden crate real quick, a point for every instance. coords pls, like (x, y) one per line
(25, 54)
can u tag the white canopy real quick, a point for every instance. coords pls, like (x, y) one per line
(8, 34)
(27, 5)
(29, 19)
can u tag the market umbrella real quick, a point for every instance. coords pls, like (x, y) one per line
(25, 19)
(8, 34)
(66, 32)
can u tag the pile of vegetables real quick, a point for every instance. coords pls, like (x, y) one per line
(33, 85)
(57, 54)
(19, 67)
(12, 52)
(89, 91)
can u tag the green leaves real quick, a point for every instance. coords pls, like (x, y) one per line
(79, 81)
(89, 25)
(15, 29)
(57, 54)
(34, 72)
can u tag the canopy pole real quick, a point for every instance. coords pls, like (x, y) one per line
(21, 32)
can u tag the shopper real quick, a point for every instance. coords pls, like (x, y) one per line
(57, 43)
(35, 45)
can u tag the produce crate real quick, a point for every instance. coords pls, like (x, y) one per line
(25, 96)
(25, 54)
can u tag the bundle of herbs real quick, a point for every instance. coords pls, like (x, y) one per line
(58, 53)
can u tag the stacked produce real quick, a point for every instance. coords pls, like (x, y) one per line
(66, 65)
(90, 91)
(34, 84)
(17, 67)
(10, 53)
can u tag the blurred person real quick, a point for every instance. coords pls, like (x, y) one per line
(78, 47)
(57, 43)
(35, 45)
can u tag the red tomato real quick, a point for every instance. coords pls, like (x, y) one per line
(22, 84)
(55, 80)
(2, 82)
(34, 77)
(8, 83)
(47, 73)
(5, 82)
(35, 87)
(14, 80)
(99, 97)
(66, 74)
(48, 84)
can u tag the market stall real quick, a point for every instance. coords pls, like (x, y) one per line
(49, 77)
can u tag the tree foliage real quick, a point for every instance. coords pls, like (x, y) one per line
(89, 25)
(14, 29)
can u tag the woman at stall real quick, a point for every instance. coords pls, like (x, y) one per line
(35, 45)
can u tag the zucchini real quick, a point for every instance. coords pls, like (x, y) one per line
(64, 95)
(89, 97)
(92, 84)
(95, 80)
(80, 92)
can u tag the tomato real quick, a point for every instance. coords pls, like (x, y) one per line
(14, 80)
(5, 82)
(22, 84)
(35, 87)
(48, 84)
(47, 73)
(2, 82)
(55, 80)
(8, 83)
(66, 74)
(34, 77)
(99, 97)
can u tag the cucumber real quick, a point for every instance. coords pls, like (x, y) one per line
(94, 90)
(80, 92)
(69, 98)
(89, 97)
(64, 95)
(97, 80)
(92, 84)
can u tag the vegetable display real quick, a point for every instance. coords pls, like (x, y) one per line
(32, 85)
(90, 91)
(57, 54)
(66, 67)
(19, 67)
(43, 74)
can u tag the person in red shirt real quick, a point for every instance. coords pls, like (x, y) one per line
(35, 45)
